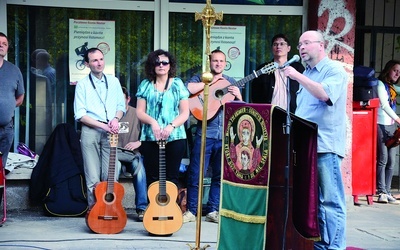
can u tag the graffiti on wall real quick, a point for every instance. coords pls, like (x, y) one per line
(336, 21)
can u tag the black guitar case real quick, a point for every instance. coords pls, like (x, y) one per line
(57, 181)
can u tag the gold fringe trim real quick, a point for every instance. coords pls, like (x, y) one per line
(315, 238)
(244, 185)
(255, 219)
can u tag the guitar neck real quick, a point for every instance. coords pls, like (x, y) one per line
(113, 140)
(111, 170)
(248, 78)
(162, 169)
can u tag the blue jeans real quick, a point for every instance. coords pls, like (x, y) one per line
(6, 139)
(331, 204)
(386, 159)
(138, 172)
(212, 159)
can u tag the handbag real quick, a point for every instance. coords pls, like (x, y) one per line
(393, 140)
(23, 149)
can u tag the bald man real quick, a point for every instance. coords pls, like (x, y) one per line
(322, 99)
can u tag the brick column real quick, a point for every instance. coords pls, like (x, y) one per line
(336, 20)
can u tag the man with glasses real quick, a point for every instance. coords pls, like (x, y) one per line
(271, 88)
(322, 99)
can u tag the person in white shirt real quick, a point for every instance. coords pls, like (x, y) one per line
(387, 119)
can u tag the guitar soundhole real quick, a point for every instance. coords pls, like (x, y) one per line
(219, 93)
(162, 200)
(109, 197)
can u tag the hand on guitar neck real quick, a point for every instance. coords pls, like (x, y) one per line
(163, 216)
(219, 93)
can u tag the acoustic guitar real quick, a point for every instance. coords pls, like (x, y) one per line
(107, 216)
(219, 94)
(163, 215)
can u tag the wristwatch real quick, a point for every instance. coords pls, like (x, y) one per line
(117, 118)
(172, 125)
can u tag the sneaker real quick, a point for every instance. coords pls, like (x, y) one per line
(140, 214)
(188, 217)
(392, 200)
(212, 217)
(383, 198)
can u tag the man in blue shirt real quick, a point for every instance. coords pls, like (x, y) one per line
(12, 94)
(321, 99)
(99, 104)
(213, 146)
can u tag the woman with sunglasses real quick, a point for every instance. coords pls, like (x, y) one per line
(163, 109)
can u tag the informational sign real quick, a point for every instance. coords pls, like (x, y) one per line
(232, 41)
(86, 34)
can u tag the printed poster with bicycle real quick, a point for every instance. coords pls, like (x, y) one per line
(86, 34)
(232, 41)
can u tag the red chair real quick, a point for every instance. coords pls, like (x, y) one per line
(3, 189)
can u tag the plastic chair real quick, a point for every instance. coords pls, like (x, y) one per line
(3, 189)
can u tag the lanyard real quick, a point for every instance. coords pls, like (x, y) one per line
(104, 105)
(91, 81)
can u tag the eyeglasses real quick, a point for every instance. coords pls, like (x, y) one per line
(306, 43)
(277, 44)
(164, 63)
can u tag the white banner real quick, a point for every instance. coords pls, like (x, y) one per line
(86, 34)
(232, 41)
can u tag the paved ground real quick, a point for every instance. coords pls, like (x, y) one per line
(375, 226)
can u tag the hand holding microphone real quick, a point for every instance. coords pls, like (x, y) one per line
(290, 71)
(295, 58)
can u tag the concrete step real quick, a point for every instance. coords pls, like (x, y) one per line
(17, 191)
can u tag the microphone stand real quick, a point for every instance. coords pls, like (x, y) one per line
(287, 128)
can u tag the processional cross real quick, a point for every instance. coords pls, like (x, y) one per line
(208, 18)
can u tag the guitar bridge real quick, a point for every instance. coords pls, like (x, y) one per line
(163, 218)
(107, 217)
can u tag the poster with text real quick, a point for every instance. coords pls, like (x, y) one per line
(232, 41)
(86, 34)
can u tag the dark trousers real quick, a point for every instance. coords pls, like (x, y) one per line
(174, 152)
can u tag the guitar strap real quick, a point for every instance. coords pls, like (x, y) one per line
(160, 101)
(166, 84)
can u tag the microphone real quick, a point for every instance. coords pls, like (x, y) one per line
(295, 58)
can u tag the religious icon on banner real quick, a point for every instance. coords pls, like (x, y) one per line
(246, 143)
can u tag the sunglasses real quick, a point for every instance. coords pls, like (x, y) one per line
(164, 63)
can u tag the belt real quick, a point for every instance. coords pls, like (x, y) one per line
(102, 122)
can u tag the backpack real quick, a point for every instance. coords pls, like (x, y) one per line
(365, 84)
